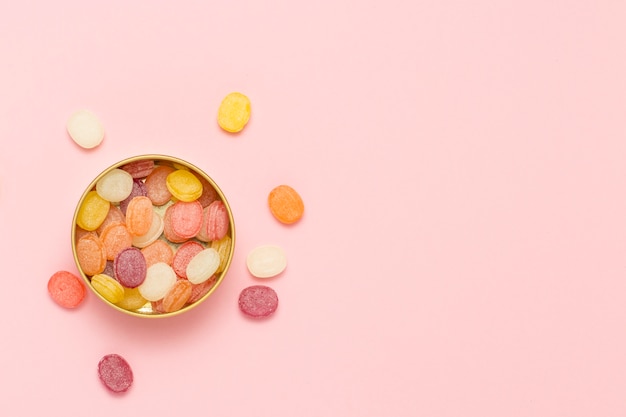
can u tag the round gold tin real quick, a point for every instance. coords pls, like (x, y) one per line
(147, 309)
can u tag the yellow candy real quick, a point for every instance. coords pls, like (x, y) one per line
(107, 287)
(234, 112)
(183, 185)
(132, 299)
(222, 247)
(92, 212)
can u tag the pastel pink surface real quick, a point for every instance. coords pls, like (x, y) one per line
(462, 165)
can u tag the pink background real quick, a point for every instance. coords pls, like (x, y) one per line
(463, 168)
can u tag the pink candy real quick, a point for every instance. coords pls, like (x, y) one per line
(130, 267)
(115, 373)
(258, 301)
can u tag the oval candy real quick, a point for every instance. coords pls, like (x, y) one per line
(151, 236)
(66, 289)
(177, 296)
(115, 373)
(108, 288)
(130, 267)
(202, 266)
(115, 185)
(160, 277)
(285, 204)
(139, 215)
(258, 301)
(183, 185)
(234, 112)
(85, 129)
(266, 261)
(92, 212)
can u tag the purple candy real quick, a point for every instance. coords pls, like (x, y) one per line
(108, 269)
(130, 267)
(139, 189)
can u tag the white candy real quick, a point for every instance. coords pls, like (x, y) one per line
(202, 266)
(85, 129)
(160, 277)
(266, 261)
(115, 186)
(156, 228)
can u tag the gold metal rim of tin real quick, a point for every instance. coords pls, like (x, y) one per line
(146, 311)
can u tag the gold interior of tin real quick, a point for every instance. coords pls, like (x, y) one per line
(146, 310)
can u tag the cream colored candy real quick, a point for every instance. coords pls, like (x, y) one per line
(85, 129)
(160, 277)
(156, 228)
(266, 261)
(115, 186)
(202, 266)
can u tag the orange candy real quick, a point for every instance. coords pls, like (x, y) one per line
(286, 204)
(159, 251)
(177, 296)
(115, 237)
(115, 215)
(66, 289)
(139, 215)
(91, 254)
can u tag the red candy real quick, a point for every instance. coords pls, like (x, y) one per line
(115, 373)
(183, 255)
(215, 222)
(182, 220)
(66, 289)
(209, 194)
(139, 169)
(200, 290)
(258, 301)
(156, 187)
